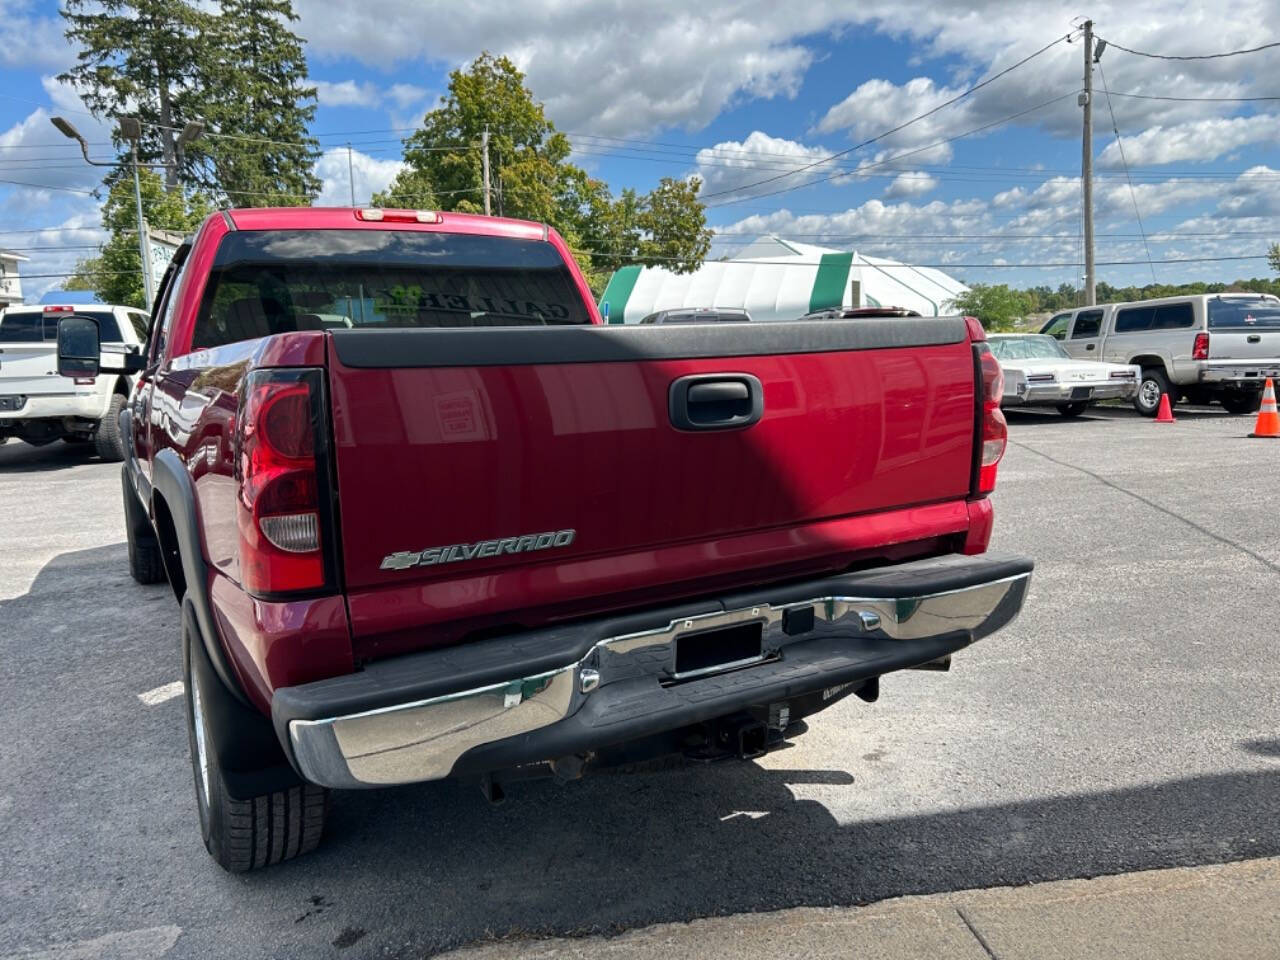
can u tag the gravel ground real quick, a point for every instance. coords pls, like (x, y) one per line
(1130, 719)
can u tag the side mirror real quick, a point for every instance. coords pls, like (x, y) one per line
(79, 352)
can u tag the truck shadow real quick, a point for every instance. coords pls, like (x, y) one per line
(19, 457)
(612, 853)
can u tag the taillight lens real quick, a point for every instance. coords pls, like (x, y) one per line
(1201, 349)
(281, 505)
(993, 431)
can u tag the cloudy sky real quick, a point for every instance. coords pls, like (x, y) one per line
(785, 110)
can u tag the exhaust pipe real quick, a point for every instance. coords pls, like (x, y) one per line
(942, 663)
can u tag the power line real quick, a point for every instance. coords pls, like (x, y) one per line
(1148, 96)
(895, 157)
(937, 266)
(47, 186)
(1202, 56)
(1125, 164)
(928, 113)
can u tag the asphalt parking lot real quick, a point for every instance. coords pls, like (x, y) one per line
(1130, 719)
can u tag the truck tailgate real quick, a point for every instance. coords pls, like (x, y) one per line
(31, 369)
(449, 440)
(1244, 329)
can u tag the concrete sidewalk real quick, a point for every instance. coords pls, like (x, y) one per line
(1228, 911)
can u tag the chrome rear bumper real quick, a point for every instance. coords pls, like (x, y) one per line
(1240, 371)
(625, 686)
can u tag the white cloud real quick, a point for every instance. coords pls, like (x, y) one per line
(346, 93)
(28, 40)
(370, 176)
(726, 166)
(405, 95)
(35, 152)
(911, 185)
(1196, 141)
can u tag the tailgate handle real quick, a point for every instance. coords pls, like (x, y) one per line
(1254, 338)
(716, 401)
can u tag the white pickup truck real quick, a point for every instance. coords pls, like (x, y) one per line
(1203, 347)
(39, 406)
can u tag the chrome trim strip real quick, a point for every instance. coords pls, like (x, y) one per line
(423, 739)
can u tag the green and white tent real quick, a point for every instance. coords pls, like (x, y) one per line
(776, 279)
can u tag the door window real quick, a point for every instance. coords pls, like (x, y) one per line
(1088, 323)
(1057, 327)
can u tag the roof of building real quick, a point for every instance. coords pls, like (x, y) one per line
(778, 279)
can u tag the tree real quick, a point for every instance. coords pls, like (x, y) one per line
(260, 105)
(240, 71)
(142, 58)
(998, 307)
(1273, 257)
(531, 178)
(116, 273)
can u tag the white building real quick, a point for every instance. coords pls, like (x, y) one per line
(776, 279)
(10, 282)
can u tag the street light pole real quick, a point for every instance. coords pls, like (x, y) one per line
(131, 130)
(148, 283)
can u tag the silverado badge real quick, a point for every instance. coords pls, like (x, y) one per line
(452, 553)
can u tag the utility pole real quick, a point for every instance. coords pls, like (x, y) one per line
(484, 146)
(351, 176)
(1086, 171)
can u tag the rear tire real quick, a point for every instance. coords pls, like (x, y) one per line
(107, 441)
(1241, 403)
(1073, 409)
(246, 833)
(1154, 384)
(146, 563)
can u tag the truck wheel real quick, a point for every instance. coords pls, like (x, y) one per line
(1154, 384)
(246, 833)
(146, 564)
(1073, 409)
(107, 441)
(1240, 403)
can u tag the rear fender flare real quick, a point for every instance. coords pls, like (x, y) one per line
(171, 482)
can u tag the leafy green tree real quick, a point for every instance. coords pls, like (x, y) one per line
(116, 273)
(531, 178)
(998, 307)
(238, 69)
(1273, 257)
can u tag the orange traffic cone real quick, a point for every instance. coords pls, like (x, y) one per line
(1268, 424)
(1165, 413)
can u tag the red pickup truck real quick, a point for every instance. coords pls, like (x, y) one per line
(426, 516)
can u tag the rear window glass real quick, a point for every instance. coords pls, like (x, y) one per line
(1174, 316)
(1134, 319)
(1243, 314)
(35, 326)
(266, 282)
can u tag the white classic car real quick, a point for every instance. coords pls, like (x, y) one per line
(1039, 372)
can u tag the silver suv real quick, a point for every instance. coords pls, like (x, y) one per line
(1202, 348)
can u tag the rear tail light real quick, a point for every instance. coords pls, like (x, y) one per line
(283, 505)
(1201, 349)
(993, 431)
